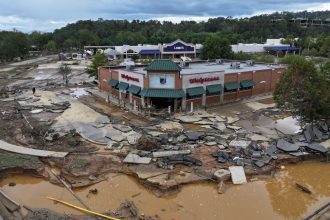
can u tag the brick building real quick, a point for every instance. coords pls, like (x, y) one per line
(164, 83)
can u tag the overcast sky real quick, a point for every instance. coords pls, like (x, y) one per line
(47, 15)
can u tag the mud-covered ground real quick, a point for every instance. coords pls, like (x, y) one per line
(88, 162)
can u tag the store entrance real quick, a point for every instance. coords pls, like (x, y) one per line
(162, 103)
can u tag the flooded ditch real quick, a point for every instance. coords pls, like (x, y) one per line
(261, 198)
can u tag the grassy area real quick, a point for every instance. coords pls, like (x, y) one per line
(79, 164)
(12, 160)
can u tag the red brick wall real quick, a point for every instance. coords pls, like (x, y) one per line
(232, 77)
(245, 93)
(104, 77)
(229, 96)
(245, 76)
(259, 76)
(213, 100)
(197, 102)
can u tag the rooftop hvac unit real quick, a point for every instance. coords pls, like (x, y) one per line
(235, 65)
(250, 63)
(184, 64)
(219, 61)
(130, 67)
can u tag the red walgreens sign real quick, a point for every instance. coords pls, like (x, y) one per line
(202, 80)
(129, 78)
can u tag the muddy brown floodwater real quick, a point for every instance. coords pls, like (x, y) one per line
(265, 198)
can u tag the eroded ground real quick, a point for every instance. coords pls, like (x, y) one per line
(161, 154)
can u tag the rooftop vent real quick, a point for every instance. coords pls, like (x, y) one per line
(250, 63)
(184, 64)
(219, 61)
(235, 65)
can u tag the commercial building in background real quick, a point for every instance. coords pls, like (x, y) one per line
(164, 83)
(176, 49)
(271, 45)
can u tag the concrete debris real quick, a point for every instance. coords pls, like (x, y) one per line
(231, 120)
(317, 147)
(36, 111)
(118, 138)
(134, 158)
(237, 174)
(155, 133)
(240, 143)
(236, 128)
(181, 138)
(171, 126)
(222, 175)
(133, 137)
(194, 135)
(205, 114)
(206, 126)
(219, 126)
(326, 144)
(220, 119)
(308, 133)
(299, 154)
(212, 143)
(189, 119)
(221, 156)
(169, 153)
(286, 146)
(29, 151)
(122, 128)
(182, 159)
(257, 137)
(221, 147)
(209, 138)
(203, 122)
(111, 145)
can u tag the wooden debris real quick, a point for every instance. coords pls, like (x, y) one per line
(303, 188)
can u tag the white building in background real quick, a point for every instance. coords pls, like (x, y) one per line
(258, 48)
(248, 48)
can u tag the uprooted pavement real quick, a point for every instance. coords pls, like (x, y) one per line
(180, 149)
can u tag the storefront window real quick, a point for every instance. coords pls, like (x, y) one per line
(230, 90)
(194, 97)
(246, 88)
(213, 93)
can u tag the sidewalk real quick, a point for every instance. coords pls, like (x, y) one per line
(106, 96)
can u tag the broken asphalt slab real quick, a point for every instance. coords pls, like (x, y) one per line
(237, 174)
(286, 146)
(240, 143)
(29, 151)
(317, 147)
(136, 159)
(170, 153)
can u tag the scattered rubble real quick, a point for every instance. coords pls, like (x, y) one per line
(237, 174)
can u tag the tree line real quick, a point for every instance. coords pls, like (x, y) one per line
(255, 29)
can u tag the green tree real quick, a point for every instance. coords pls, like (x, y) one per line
(302, 90)
(13, 44)
(51, 45)
(66, 73)
(98, 60)
(216, 47)
(87, 37)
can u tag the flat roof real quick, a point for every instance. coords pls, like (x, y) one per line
(209, 67)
